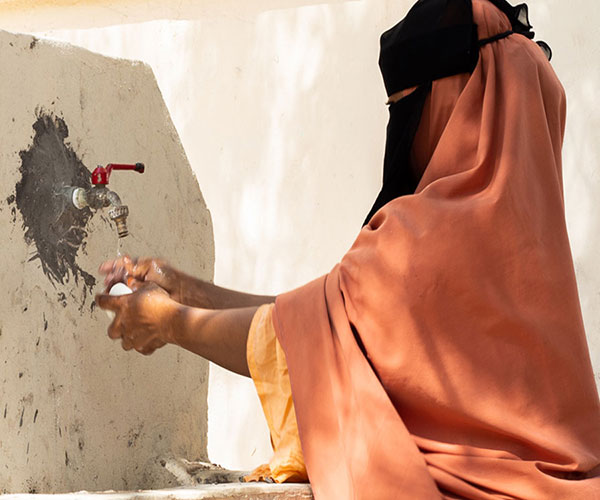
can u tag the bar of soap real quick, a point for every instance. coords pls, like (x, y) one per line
(118, 289)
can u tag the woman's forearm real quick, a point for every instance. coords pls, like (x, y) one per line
(197, 293)
(217, 335)
(182, 287)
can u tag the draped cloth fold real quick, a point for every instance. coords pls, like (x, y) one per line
(445, 355)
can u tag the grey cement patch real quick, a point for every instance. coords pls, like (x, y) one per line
(51, 222)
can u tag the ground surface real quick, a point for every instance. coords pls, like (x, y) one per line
(254, 491)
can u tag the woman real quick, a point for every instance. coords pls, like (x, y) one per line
(445, 355)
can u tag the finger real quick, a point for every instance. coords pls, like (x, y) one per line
(156, 344)
(109, 302)
(115, 329)
(127, 343)
(106, 267)
(114, 277)
(146, 350)
(121, 270)
(142, 339)
(110, 265)
(141, 268)
(135, 284)
(117, 270)
(151, 347)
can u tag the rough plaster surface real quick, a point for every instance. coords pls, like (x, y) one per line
(77, 412)
(280, 107)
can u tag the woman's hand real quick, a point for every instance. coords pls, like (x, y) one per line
(145, 269)
(144, 320)
(149, 318)
(181, 287)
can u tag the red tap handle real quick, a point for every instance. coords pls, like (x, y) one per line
(101, 175)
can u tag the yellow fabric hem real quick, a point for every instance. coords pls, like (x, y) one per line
(268, 368)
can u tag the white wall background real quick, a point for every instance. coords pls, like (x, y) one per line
(280, 107)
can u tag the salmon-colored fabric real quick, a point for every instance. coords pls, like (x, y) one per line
(269, 372)
(468, 375)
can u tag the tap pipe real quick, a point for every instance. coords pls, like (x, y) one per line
(96, 197)
(119, 216)
(113, 198)
(118, 213)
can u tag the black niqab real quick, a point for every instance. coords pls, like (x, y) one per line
(436, 39)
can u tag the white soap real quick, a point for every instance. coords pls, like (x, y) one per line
(118, 289)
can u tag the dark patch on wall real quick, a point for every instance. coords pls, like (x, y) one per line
(133, 437)
(33, 43)
(50, 220)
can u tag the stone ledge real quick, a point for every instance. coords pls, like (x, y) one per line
(245, 491)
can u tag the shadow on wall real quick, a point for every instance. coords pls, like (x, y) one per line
(576, 53)
(582, 185)
(292, 165)
(278, 139)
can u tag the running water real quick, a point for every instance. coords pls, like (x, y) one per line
(120, 247)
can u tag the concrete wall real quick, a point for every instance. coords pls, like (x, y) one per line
(77, 412)
(280, 106)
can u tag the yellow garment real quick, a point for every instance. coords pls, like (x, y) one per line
(269, 371)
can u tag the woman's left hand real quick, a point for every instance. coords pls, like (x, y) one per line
(144, 319)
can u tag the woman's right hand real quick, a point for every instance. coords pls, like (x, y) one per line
(144, 269)
(181, 287)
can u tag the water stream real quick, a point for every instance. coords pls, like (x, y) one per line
(120, 247)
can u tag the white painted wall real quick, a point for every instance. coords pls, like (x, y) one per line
(280, 107)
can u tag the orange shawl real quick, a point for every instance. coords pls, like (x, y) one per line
(467, 374)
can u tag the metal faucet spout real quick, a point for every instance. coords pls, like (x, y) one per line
(119, 216)
(118, 213)
(113, 198)
(98, 197)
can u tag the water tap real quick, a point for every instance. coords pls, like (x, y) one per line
(99, 196)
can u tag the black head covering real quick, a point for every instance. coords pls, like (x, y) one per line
(436, 39)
